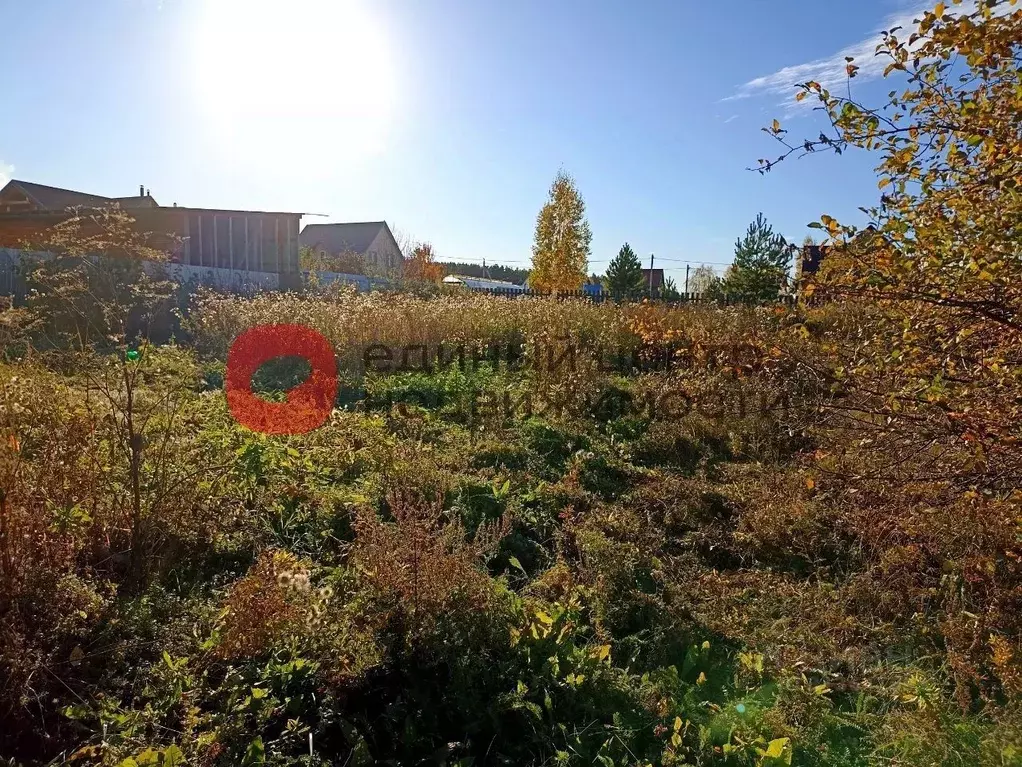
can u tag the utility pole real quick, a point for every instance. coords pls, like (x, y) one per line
(650, 276)
(686, 280)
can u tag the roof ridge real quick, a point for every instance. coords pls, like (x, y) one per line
(21, 182)
(348, 223)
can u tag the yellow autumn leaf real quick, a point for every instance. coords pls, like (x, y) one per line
(939, 10)
(775, 749)
(777, 127)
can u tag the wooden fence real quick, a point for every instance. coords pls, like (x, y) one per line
(599, 298)
(12, 283)
(12, 275)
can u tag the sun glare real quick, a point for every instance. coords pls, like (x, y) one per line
(307, 77)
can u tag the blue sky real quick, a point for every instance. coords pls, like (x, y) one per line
(447, 118)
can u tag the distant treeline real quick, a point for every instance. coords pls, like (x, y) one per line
(494, 272)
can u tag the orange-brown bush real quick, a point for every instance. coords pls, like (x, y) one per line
(50, 528)
(921, 451)
(422, 565)
(68, 532)
(270, 604)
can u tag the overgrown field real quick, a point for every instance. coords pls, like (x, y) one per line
(587, 535)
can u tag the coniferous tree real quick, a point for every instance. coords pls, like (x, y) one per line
(624, 274)
(760, 268)
(669, 290)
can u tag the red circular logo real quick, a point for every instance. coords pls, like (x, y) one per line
(308, 405)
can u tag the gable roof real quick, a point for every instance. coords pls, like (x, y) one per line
(658, 277)
(343, 238)
(136, 202)
(52, 198)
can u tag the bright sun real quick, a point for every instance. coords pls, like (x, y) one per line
(303, 78)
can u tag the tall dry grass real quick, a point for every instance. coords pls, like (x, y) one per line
(353, 321)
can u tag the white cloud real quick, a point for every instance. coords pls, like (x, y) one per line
(5, 173)
(732, 117)
(830, 71)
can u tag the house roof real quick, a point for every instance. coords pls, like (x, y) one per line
(343, 238)
(136, 202)
(55, 198)
(51, 199)
(658, 277)
(479, 283)
(232, 211)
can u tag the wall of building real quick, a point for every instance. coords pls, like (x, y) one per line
(256, 242)
(383, 251)
(211, 239)
(231, 280)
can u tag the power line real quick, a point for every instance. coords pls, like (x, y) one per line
(707, 263)
(672, 260)
(521, 264)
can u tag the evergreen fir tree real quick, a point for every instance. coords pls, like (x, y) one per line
(669, 290)
(624, 274)
(760, 268)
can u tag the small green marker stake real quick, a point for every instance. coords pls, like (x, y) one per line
(132, 355)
